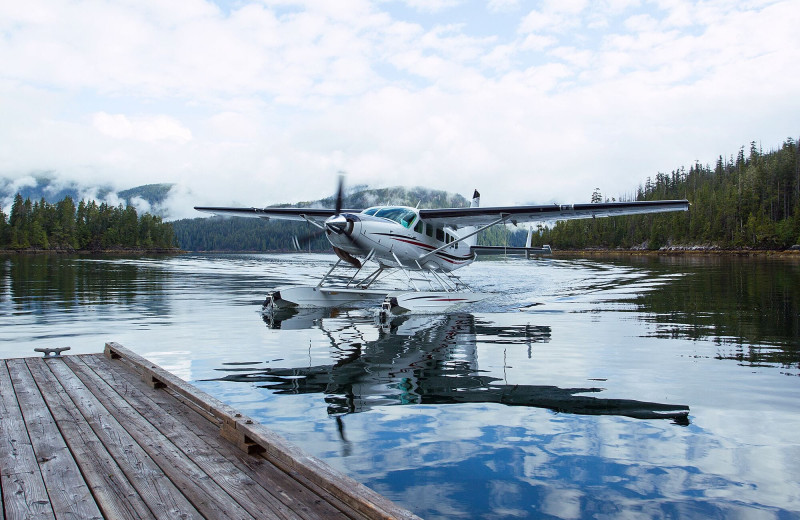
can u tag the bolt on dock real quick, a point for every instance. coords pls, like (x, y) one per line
(114, 436)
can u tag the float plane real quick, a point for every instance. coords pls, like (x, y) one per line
(419, 247)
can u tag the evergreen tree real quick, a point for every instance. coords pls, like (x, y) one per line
(44, 226)
(752, 201)
(5, 230)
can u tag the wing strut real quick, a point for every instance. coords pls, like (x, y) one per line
(311, 220)
(329, 272)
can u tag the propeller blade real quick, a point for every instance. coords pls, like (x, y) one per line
(340, 195)
(305, 240)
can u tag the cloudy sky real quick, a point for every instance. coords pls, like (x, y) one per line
(258, 101)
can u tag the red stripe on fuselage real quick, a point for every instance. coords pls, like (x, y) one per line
(443, 256)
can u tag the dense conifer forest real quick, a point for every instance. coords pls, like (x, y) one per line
(751, 201)
(63, 226)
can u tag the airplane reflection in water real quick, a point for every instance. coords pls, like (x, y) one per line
(429, 359)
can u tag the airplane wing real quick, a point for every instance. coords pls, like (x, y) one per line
(459, 217)
(300, 214)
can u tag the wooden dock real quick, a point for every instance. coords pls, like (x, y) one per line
(114, 436)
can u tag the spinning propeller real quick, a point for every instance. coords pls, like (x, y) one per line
(337, 224)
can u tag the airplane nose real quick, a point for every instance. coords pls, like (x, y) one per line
(340, 224)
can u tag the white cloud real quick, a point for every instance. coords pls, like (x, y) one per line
(556, 16)
(266, 102)
(540, 21)
(141, 205)
(499, 6)
(148, 129)
(432, 6)
(537, 42)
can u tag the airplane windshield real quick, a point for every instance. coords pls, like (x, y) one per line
(403, 216)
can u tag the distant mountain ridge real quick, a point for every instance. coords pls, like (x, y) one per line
(45, 186)
(154, 194)
(361, 196)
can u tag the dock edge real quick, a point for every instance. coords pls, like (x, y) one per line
(255, 438)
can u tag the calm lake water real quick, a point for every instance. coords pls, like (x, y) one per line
(657, 387)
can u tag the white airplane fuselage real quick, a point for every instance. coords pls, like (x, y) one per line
(397, 237)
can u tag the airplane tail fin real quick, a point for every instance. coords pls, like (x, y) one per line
(476, 202)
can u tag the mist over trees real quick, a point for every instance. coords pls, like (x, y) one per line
(63, 226)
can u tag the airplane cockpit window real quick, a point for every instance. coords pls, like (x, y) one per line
(403, 216)
(370, 211)
(419, 227)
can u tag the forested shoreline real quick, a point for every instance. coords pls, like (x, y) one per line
(748, 202)
(87, 226)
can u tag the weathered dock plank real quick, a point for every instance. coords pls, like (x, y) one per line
(162, 495)
(199, 439)
(115, 436)
(197, 484)
(68, 492)
(24, 492)
(272, 447)
(114, 494)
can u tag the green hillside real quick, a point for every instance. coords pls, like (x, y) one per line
(154, 194)
(751, 201)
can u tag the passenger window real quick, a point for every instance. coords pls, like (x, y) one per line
(418, 227)
(440, 234)
(429, 230)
